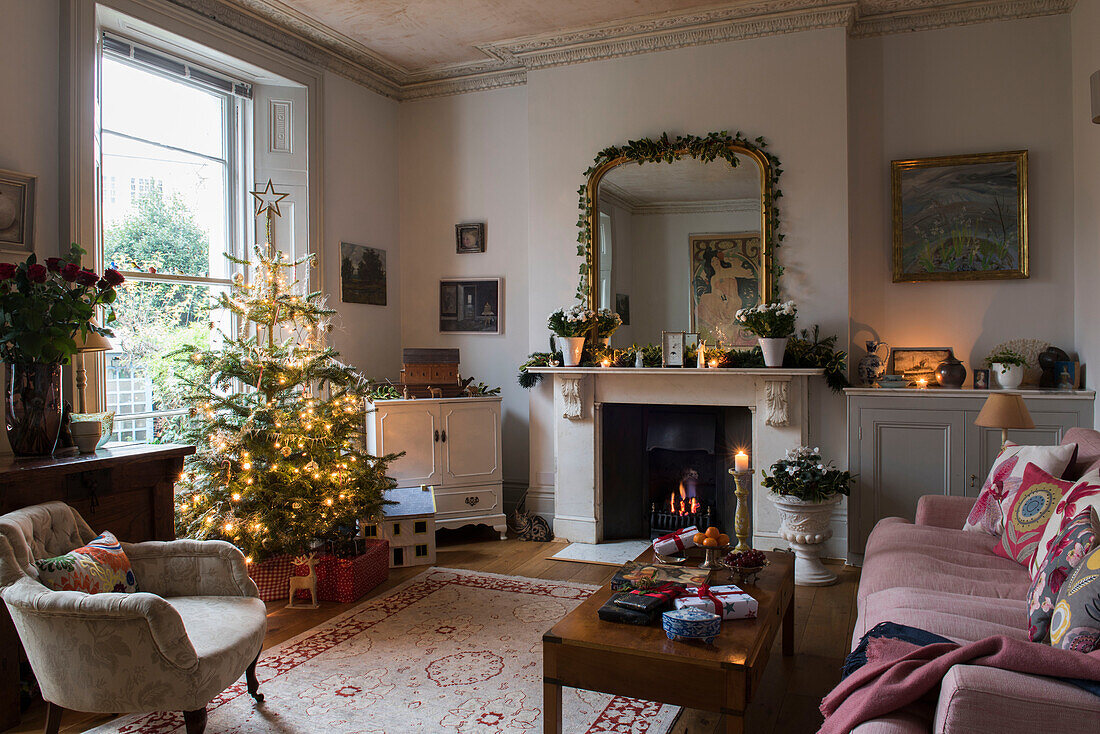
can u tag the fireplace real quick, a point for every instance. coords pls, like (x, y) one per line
(666, 467)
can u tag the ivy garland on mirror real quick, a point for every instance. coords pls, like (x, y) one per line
(665, 149)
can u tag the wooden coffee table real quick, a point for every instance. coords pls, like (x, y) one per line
(583, 651)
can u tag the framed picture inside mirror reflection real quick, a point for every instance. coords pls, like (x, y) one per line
(725, 277)
(471, 306)
(672, 348)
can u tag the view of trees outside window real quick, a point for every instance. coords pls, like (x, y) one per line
(166, 225)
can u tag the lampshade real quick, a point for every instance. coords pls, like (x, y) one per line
(93, 343)
(1002, 410)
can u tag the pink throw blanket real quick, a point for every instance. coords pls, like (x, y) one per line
(885, 685)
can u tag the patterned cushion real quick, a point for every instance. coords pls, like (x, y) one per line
(1084, 494)
(1068, 550)
(1075, 621)
(1028, 513)
(97, 567)
(993, 502)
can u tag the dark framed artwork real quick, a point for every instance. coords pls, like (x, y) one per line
(622, 307)
(362, 274)
(920, 361)
(725, 277)
(17, 192)
(961, 217)
(470, 238)
(471, 306)
(981, 379)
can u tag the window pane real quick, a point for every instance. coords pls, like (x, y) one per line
(169, 213)
(154, 320)
(146, 105)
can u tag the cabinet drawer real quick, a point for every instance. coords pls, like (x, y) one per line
(469, 501)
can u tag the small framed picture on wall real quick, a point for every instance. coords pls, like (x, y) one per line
(470, 238)
(471, 306)
(17, 212)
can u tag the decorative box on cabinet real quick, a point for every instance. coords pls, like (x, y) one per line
(452, 444)
(904, 443)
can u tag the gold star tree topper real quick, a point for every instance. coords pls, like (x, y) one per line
(267, 199)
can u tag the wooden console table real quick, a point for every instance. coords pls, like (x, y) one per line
(127, 490)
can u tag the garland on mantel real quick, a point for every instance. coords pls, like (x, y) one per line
(806, 350)
(708, 148)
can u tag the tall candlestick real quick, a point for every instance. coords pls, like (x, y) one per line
(741, 461)
(742, 523)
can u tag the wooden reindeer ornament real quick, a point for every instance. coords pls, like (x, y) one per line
(306, 583)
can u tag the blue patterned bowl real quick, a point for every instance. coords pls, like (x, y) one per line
(691, 623)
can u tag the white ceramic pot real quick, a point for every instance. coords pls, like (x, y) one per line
(86, 435)
(806, 525)
(1008, 377)
(571, 347)
(773, 350)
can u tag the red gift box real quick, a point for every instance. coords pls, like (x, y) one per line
(272, 576)
(348, 579)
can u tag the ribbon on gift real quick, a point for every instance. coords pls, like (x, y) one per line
(704, 592)
(677, 537)
(668, 590)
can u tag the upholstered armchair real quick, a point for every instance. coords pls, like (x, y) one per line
(193, 628)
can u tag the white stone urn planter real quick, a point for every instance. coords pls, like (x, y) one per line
(773, 349)
(571, 348)
(1008, 377)
(805, 525)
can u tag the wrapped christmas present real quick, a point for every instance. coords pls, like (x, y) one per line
(634, 575)
(729, 602)
(652, 601)
(612, 612)
(675, 543)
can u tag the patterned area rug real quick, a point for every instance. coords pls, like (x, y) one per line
(447, 651)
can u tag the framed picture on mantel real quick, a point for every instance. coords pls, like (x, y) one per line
(961, 217)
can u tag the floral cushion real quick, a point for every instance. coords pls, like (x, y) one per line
(993, 502)
(1084, 494)
(1028, 513)
(1075, 621)
(1068, 550)
(97, 567)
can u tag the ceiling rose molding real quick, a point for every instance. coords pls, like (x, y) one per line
(912, 15)
(507, 62)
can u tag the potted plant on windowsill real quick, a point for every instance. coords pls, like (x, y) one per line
(570, 325)
(772, 324)
(1008, 366)
(42, 310)
(607, 321)
(805, 490)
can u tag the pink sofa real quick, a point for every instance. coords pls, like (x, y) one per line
(933, 575)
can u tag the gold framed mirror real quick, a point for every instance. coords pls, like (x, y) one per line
(680, 235)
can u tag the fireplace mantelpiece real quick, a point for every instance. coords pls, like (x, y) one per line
(776, 397)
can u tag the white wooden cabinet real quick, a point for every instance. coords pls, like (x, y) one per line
(453, 444)
(904, 443)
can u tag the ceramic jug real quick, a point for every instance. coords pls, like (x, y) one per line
(873, 366)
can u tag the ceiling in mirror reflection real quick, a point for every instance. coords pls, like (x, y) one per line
(685, 181)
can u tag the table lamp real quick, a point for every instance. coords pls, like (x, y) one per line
(1004, 411)
(92, 343)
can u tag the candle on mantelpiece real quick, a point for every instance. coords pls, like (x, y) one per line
(922, 382)
(714, 364)
(605, 363)
(741, 461)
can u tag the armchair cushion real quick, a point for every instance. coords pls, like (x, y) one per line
(94, 568)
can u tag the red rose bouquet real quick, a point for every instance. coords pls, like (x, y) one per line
(44, 307)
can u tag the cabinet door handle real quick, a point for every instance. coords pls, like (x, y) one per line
(444, 437)
(973, 479)
(471, 501)
(437, 435)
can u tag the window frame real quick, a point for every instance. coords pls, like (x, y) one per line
(236, 159)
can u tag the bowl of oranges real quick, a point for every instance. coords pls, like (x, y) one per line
(714, 543)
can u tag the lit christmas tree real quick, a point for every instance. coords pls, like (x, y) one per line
(276, 418)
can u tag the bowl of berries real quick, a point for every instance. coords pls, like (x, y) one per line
(745, 566)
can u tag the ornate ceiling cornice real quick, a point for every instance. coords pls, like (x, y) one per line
(507, 62)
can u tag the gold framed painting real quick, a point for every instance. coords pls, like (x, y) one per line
(726, 275)
(17, 192)
(961, 217)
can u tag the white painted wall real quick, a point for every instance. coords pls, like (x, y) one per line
(361, 206)
(465, 159)
(973, 89)
(1086, 179)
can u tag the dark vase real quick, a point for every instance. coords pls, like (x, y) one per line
(34, 407)
(951, 373)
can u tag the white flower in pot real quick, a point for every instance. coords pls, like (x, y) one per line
(772, 324)
(570, 326)
(607, 321)
(805, 490)
(1008, 368)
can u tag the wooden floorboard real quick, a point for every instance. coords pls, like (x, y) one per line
(786, 702)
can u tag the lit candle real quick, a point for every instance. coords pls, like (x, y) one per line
(922, 382)
(741, 461)
(714, 364)
(605, 363)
